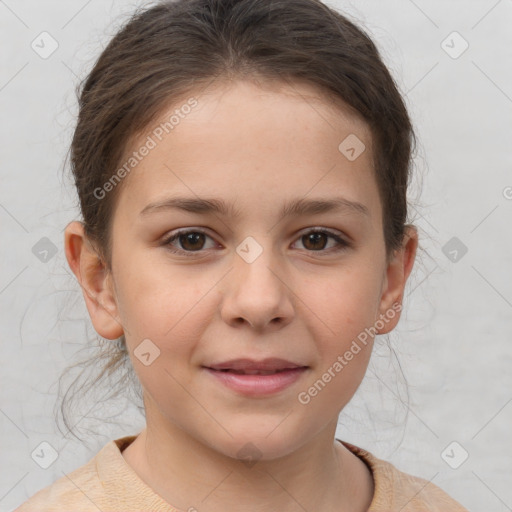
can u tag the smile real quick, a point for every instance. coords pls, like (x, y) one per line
(254, 372)
(254, 379)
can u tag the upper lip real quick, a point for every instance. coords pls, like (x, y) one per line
(268, 364)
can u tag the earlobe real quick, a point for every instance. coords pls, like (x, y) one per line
(94, 280)
(397, 273)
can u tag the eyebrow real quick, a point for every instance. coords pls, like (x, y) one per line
(295, 207)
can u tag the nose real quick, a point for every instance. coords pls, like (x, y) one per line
(256, 293)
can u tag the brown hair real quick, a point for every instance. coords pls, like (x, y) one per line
(175, 48)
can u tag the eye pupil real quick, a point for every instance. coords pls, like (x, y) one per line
(314, 237)
(193, 241)
(191, 238)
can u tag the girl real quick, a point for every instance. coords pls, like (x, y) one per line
(242, 169)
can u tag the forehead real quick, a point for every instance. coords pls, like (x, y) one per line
(241, 138)
(271, 110)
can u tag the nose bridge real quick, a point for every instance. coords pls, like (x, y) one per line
(255, 261)
(257, 292)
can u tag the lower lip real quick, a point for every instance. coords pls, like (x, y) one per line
(255, 385)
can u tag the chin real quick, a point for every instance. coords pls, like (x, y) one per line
(252, 445)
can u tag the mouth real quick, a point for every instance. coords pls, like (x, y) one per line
(250, 377)
(252, 372)
(267, 366)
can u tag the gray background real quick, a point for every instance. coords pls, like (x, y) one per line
(454, 341)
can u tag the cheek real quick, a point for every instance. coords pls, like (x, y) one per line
(341, 307)
(157, 301)
(340, 327)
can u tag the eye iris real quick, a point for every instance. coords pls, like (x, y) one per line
(190, 238)
(315, 238)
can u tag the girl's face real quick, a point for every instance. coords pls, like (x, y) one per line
(247, 282)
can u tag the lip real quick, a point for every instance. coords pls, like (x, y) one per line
(285, 374)
(268, 364)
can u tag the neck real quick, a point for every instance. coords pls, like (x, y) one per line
(321, 475)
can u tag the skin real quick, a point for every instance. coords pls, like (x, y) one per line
(300, 300)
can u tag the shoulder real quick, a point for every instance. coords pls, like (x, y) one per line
(399, 491)
(88, 488)
(70, 492)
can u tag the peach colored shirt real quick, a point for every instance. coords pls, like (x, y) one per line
(107, 483)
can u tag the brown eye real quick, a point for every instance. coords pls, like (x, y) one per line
(188, 241)
(317, 240)
(191, 241)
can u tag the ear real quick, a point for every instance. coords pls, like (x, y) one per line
(398, 269)
(95, 281)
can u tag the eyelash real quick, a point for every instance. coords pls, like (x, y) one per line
(342, 244)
